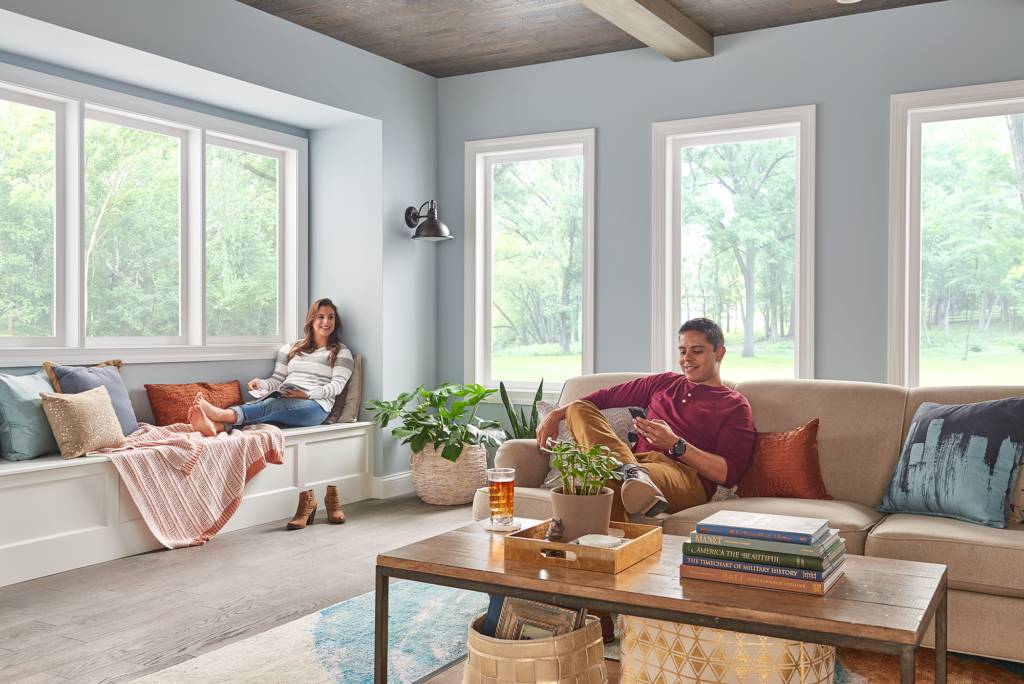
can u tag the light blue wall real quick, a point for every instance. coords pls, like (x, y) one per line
(399, 281)
(848, 67)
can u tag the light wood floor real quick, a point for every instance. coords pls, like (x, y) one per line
(119, 620)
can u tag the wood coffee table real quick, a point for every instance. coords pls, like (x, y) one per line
(879, 605)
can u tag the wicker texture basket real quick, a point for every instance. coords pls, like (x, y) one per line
(440, 482)
(573, 658)
(654, 651)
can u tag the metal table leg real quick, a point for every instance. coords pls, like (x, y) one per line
(380, 629)
(940, 639)
(907, 664)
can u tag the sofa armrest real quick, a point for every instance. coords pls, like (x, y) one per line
(525, 456)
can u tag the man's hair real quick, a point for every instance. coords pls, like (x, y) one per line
(706, 326)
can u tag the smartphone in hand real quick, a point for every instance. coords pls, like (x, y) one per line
(637, 412)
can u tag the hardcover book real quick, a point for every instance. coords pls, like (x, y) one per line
(754, 554)
(750, 579)
(770, 527)
(816, 549)
(760, 569)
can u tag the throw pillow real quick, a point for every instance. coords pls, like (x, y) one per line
(346, 405)
(170, 403)
(75, 379)
(959, 461)
(618, 418)
(785, 464)
(83, 422)
(24, 432)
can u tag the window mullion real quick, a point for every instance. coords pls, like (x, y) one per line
(73, 305)
(194, 318)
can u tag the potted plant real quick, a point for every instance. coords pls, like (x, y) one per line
(519, 427)
(448, 440)
(582, 502)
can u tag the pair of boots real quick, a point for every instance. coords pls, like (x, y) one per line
(306, 511)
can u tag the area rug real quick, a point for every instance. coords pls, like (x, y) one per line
(427, 629)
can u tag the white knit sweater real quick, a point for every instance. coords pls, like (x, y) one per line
(312, 372)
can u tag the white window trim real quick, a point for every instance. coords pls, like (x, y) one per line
(908, 112)
(667, 138)
(479, 155)
(72, 99)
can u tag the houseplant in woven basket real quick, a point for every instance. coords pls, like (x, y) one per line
(449, 442)
(582, 502)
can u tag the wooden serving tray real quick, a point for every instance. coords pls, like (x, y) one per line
(529, 546)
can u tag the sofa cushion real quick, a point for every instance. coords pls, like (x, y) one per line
(860, 431)
(530, 502)
(959, 461)
(83, 422)
(785, 464)
(981, 559)
(853, 520)
(24, 431)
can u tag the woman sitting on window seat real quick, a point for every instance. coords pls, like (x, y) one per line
(308, 375)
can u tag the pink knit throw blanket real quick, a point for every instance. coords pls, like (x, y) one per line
(187, 486)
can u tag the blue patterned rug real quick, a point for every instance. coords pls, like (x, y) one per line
(427, 629)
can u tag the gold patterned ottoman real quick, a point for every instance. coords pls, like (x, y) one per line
(657, 652)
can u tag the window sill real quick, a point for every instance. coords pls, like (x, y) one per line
(524, 397)
(34, 356)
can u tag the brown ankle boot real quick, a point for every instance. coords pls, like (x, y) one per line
(332, 502)
(306, 511)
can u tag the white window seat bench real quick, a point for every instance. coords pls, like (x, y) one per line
(57, 514)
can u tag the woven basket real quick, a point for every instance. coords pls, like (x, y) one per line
(440, 482)
(573, 658)
(654, 651)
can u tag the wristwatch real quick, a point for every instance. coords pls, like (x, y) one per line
(679, 448)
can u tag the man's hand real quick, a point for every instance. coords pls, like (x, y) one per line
(549, 428)
(657, 433)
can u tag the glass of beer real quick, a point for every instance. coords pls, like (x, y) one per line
(501, 484)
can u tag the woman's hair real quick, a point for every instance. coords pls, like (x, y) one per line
(308, 343)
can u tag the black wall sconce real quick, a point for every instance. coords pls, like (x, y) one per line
(431, 228)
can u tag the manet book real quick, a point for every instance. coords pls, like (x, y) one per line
(818, 548)
(764, 526)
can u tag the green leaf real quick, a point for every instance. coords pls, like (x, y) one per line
(451, 452)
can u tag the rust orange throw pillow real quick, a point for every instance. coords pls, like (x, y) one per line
(785, 464)
(170, 403)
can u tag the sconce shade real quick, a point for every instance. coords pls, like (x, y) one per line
(430, 229)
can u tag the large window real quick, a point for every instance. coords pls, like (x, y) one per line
(734, 238)
(529, 252)
(140, 230)
(958, 268)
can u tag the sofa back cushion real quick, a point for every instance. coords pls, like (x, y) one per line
(860, 429)
(582, 385)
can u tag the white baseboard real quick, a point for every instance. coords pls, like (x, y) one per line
(389, 486)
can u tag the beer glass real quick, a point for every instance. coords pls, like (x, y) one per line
(501, 484)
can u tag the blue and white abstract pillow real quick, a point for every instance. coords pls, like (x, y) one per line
(959, 461)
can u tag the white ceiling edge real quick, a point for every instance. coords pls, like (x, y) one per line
(82, 52)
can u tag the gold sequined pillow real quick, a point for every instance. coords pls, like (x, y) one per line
(82, 422)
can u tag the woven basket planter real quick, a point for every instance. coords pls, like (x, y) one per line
(573, 658)
(440, 482)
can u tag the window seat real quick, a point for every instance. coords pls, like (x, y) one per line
(62, 514)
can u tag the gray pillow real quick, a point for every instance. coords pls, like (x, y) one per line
(618, 418)
(346, 404)
(75, 379)
(24, 431)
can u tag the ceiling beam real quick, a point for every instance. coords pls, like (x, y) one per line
(659, 24)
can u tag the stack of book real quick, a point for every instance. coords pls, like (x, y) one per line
(759, 550)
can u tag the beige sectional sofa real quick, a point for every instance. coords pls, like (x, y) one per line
(860, 435)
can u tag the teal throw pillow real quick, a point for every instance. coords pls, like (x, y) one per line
(959, 461)
(24, 431)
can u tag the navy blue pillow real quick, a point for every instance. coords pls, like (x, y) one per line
(75, 379)
(959, 461)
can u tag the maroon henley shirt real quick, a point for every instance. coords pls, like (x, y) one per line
(713, 419)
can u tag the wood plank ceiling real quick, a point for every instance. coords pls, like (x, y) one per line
(452, 37)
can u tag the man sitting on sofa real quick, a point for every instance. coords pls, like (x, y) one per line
(698, 433)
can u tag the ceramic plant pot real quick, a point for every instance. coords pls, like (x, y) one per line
(582, 514)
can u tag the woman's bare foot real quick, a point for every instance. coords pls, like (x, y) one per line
(201, 422)
(214, 412)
